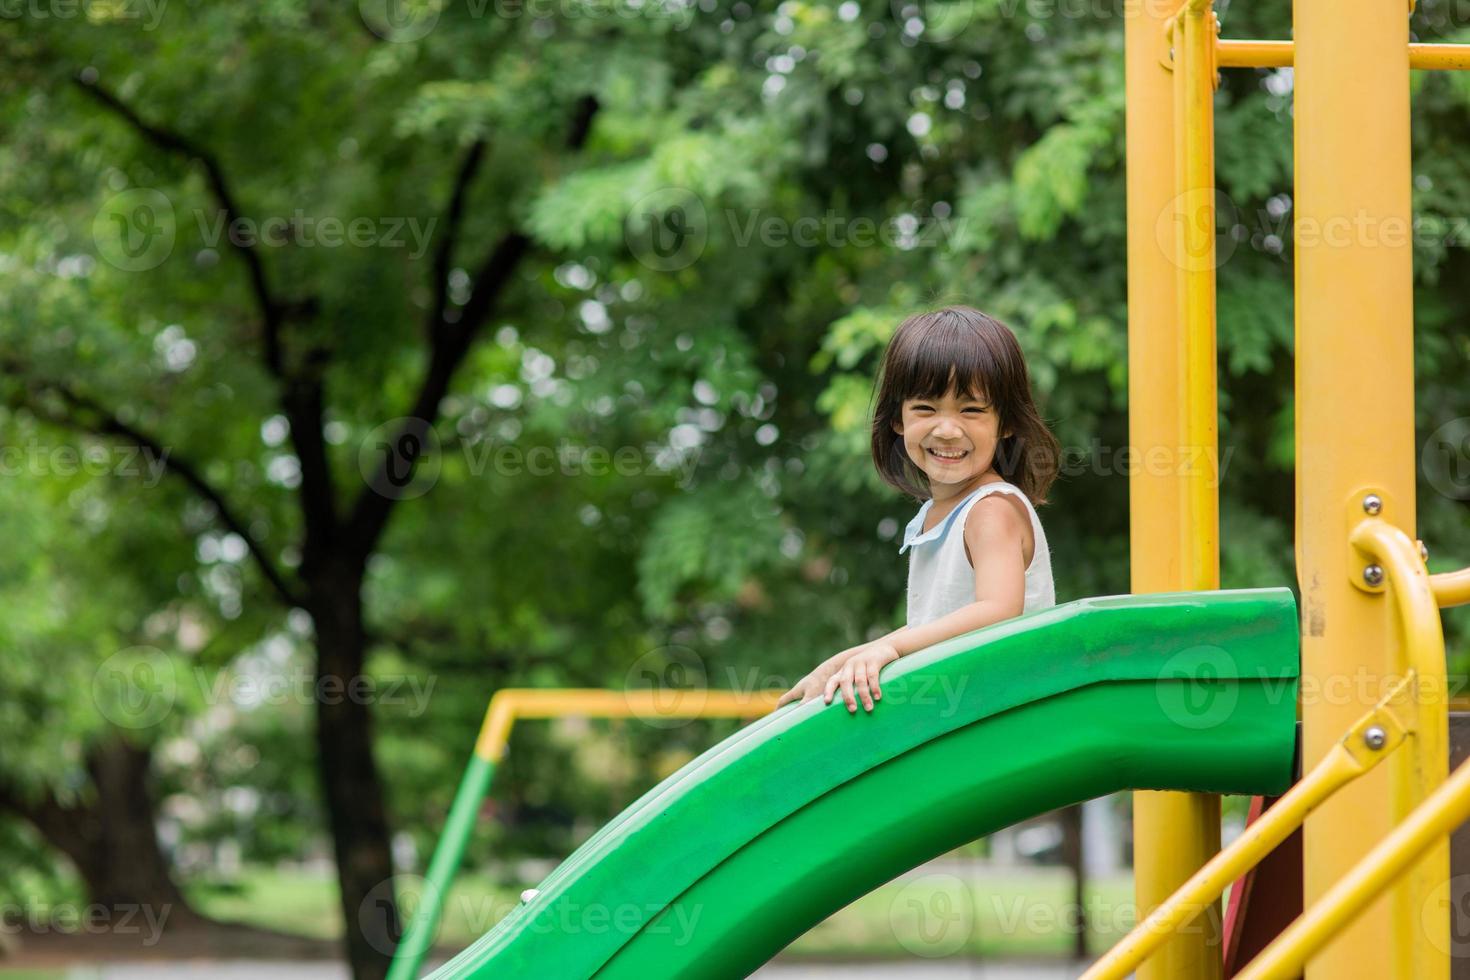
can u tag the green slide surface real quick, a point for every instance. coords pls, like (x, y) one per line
(716, 869)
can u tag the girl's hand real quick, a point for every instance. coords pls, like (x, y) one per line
(812, 685)
(860, 672)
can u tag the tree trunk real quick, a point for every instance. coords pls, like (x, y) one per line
(112, 837)
(349, 775)
(1072, 854)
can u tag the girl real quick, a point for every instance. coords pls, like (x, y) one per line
(955, 427)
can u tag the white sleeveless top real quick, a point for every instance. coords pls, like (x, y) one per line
(941, 578)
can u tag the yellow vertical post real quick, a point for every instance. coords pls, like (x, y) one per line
(1194, 94)
(1355, 436)
(1174, 833)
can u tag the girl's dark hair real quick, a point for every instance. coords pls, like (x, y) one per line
(959, 348)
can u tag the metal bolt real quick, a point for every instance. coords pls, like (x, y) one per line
(1373, 504)
(1423, 550)
(1375, 737)
(1373, 575)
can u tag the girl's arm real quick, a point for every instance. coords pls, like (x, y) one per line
(994, 538)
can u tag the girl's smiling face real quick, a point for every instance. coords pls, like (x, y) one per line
(951, 438)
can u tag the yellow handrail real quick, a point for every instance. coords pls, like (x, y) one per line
(1422, 641)
(1423, 634)
(1371, 739)
(511, 703)
(1451, 588)
(1444, 810)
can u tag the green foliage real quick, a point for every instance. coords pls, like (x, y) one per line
(708, 547)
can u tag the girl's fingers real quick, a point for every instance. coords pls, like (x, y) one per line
(831, 688)
(877, 688)
(847, 692)
(860, 675)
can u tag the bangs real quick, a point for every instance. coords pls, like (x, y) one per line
(950, 356)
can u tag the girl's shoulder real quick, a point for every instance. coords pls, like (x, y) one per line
(1009, 499)
(1004, 490)
(1010, 514)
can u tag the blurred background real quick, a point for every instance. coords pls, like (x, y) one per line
(360, 359)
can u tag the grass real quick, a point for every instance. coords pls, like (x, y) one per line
(1025, 913)
(1013, 915)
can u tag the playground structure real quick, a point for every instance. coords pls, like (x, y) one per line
(1101, 694)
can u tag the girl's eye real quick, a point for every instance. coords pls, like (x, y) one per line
(975, 409)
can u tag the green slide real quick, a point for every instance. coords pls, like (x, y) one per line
(716, 869)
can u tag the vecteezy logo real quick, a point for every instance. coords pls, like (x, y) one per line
(1198, 688)
(399, 20)
(666, 685)
(668, 229)
(1446, 459)
(933, 915)
(134, 230)
(1211, 214)
(400, 459)
(1450, 899)
(391, 906)
(135, 688)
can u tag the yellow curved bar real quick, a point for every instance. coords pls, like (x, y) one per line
(525, 702)
(1353, 756)
(1418, 608)
(1444, 810)
(1422, 637)
(1451, 588)
(1279, 54)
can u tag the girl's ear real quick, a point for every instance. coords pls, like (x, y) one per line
(898, 426)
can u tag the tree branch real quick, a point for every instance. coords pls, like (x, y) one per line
(271, 310)
(302, 395)
(450, 342)
(107, 424)
(444, 248)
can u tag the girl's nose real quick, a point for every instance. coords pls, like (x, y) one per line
(946, 428)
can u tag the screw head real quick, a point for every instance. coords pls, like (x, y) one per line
(1375, 737)
(1423, 550)
(1373, 504)
(1373, 575)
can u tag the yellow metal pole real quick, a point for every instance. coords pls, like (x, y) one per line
(1354, 435)
(1194, 93)
(1174, 833)
(1278, 54)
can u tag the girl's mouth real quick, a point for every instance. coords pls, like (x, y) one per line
(948, 455)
